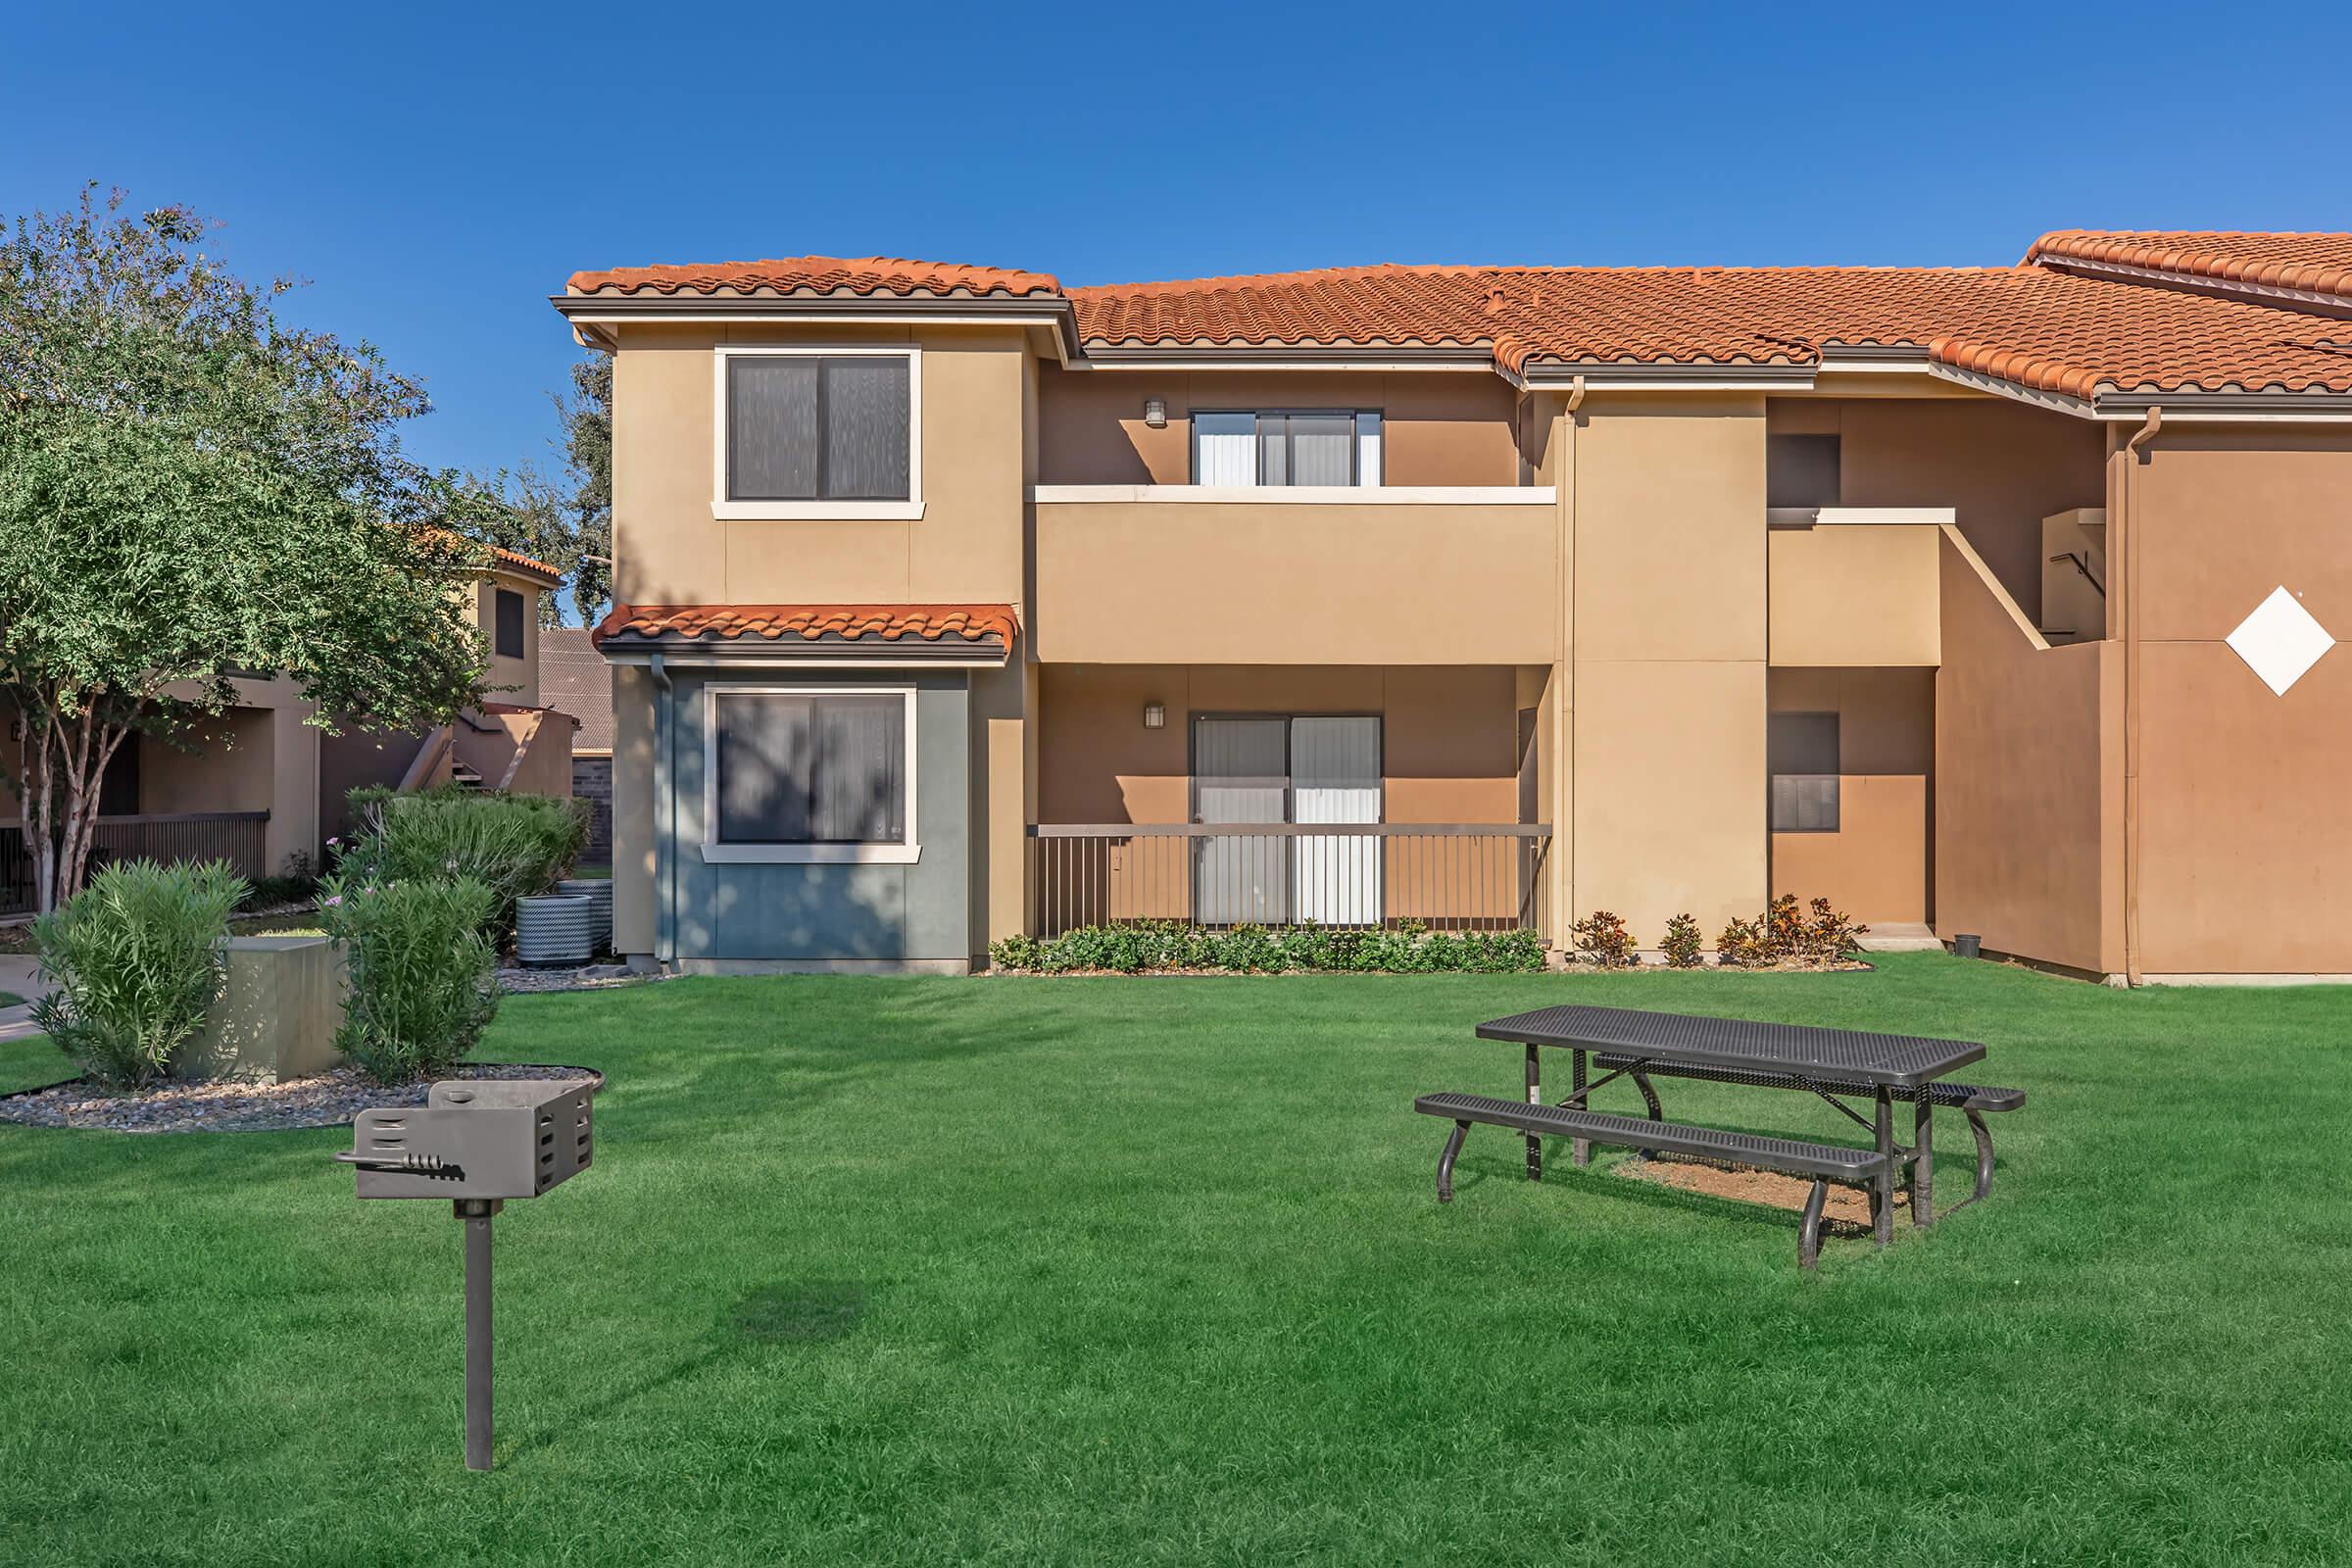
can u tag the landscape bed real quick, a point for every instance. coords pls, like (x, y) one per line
(932, 1270)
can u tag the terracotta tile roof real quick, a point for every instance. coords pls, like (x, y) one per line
(971, 623)
(575, 679)
(2311, 264)
(817, 274)
(513, 559)
(2030, 325)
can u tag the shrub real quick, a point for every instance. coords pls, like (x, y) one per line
(1161, 946)
(515, 845)
(423, 982)
(138, 959)
(1739, 945)
(1603, 940)
(1783, 934)
(1830, 936)
(1682, 943)
(296, 882)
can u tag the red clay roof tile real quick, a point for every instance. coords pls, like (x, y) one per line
(973, 623)
(816, 274)
(2312, 263)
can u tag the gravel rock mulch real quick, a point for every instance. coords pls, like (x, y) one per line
(595, 977)
(239, 1105)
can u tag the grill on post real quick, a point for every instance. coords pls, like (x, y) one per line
(476, 1143)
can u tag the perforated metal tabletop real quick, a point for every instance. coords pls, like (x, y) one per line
(1896, 1060)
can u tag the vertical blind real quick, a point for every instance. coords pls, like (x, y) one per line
(1282, 447)
(819, 427)
(816, 767)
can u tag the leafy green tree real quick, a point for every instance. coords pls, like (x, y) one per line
(512, 510)
(192, 489)
(587, 415)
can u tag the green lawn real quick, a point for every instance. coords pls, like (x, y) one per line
(1149, 1271)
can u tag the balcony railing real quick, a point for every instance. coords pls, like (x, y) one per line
(237, 837)
(1449, 876)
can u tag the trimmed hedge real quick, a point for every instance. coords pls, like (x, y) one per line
(1161, 946)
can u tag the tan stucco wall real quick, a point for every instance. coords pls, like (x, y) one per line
(1006, 736)
(1875, 866)
(1667, 679)
(2244, 847)
(633, 694)
(2029, 781)
(509, 680)
(1862, 596)
(965, 547)
(1438, 427)
(1245, 582)
(2003, 467)
(258, 757)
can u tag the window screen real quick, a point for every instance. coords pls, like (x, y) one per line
(1800, 471)
(819, 427)
(823, 768)
(1801, 751)
(509, 624)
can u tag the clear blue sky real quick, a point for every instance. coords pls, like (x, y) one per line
(436, 171)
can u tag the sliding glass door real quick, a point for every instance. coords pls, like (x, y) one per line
(1266, 770)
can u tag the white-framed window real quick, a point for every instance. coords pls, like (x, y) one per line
(1287, 446)
(809, 775)
(817, 431)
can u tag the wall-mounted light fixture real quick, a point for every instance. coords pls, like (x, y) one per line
(1156, 715)
(1155, 413)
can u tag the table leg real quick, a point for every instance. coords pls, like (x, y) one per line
(1922, 1162)
(1580, 1149)
(1881, 1191)
(1535, 1096)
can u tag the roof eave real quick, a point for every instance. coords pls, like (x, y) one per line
(596, 314)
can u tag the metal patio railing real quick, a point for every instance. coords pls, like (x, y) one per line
(1449, 876)
(237, 837)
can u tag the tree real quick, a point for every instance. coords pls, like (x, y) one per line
(587, 416)
(192, 489)
(513, 509)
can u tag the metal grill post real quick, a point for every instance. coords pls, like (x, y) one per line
(476, 1212)
(1535, 1096)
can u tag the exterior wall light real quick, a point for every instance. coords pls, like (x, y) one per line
(1155, 415)
(1156, 715)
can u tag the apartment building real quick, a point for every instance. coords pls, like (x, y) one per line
(954, 603)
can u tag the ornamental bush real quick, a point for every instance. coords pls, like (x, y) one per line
(424, 980)
(1603, 939)
(1681, 944)
(515, 845)
(1163, 945)
(137, 956)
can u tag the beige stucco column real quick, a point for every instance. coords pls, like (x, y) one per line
(1004, 773)
(1666, 627)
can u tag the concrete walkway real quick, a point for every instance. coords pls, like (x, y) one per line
(20, 974)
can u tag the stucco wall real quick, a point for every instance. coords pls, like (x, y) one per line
(1437, 427)
(2245, 849)
(634, 701)
(1669, 658)
(1875, 866)
(2029, 781)
(965, 547)
(1854, 596)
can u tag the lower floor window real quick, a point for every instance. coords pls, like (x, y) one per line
(1801, 751)
(810, 768)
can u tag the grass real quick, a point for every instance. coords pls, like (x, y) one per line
(1149, 1271)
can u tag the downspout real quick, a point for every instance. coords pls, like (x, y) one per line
(665, 818)
(1563, 746)
(2131, 630)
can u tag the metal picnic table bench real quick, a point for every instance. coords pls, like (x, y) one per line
(1836, 1064)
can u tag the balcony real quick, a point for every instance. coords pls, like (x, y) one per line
(170, 837)
(1854, 586)
(1378, 575)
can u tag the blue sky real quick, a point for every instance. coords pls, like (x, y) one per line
(436, 171)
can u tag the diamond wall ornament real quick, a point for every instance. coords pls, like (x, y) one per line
(2280, 640)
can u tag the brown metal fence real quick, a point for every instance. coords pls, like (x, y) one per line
(1449, 876)
(237, 837)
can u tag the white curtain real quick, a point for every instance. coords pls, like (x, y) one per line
(1225, 449)
(1335, 777)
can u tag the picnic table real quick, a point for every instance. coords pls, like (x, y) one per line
(1836, 1064)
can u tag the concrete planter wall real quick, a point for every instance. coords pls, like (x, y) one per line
(279, 1007)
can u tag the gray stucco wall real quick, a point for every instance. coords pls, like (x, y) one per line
(758, 913)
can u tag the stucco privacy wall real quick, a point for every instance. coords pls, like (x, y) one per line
(1668, 633)
(918, 913)
(1437, 427)
(2029, 780)
(1875, 866)
(2001, 465)
(258, 757)
(2245, 848)
(968, 546)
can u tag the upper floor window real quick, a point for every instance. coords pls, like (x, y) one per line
(810, 432)
(509, 644)
(1800, 471)
(1287, 446)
